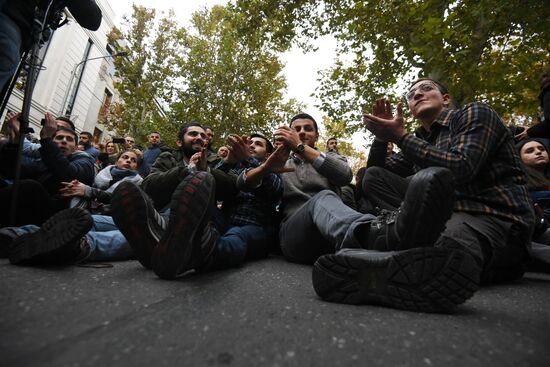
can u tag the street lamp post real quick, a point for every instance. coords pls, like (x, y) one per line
(73, 75)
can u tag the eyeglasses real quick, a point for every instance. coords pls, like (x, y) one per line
(426, 87)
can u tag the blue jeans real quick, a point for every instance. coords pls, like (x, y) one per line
(238, 244)
(10, 46)
(106, 242)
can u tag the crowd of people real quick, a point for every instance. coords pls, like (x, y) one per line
(461, 204)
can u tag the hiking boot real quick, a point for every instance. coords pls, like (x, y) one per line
(420, 219)
(189, 239)
(425, 279)
(135, 216)
(57, 242)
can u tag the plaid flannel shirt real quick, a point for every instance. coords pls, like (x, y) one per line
(252, 205)
(476, 146)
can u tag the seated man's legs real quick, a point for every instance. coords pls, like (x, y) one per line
(106, 242)
(59, 241)
(498, 247)
(238, 244)
(383, 188)
(317, 228)
(418, 276)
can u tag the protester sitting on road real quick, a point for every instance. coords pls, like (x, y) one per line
(91, 238)
(223, 151)
(315, 174)
(40, 181)
(97, 197)
(534, 155)
(491, 220)
(86, 139)
(71, 236)
(316, 221)
(151, 153)
(129, 142)
(209, 139)
(109, 156)
(250, 216)
(31, 149)
(332, 145)
(177, 179)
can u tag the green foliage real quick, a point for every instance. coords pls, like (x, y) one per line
(145, 76)
(339, 129)
(490, 50)
(205, 73)
(230, 85)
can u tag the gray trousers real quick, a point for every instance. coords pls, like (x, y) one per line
(322, 225)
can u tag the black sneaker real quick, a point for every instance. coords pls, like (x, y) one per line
(426, 279)
(57, 242)
(420, 219)
(135, 216)
(183, 246)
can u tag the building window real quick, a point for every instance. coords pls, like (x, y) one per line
(79, 73)
(104, 110)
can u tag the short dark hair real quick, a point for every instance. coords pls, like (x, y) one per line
(304, 116)
(329, 139)
(89, 135)
(207, 127)
(443, 89)
(68, 130)
(268, 145)
(67, 120)
(186, 127)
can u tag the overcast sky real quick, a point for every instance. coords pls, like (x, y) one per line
(300, 70)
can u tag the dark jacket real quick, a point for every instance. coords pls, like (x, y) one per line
(170, 169)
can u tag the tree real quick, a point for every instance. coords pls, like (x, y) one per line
(230, 85)
(145, 75)
(483, 50)
(204, 73)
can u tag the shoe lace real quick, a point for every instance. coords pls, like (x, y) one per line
(387, 216)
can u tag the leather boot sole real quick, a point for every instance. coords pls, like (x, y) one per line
(180, 248)
(421, 279)
(56, 242)
(136, 218)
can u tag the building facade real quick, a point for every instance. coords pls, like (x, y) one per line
(76, 76)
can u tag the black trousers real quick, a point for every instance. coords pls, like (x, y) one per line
(34, 204)
(498, 245)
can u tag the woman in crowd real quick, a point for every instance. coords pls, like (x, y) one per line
(110, 155)
(97, 197)
(534, 155)
(73, 235)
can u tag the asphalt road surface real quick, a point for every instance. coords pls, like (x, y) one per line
(262, 314)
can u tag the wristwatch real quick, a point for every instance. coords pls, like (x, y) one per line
(300, 148)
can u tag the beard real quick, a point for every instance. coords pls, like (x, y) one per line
(188, 150)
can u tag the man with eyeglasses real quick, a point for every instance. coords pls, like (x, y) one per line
(41, 180)
(489, 224)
